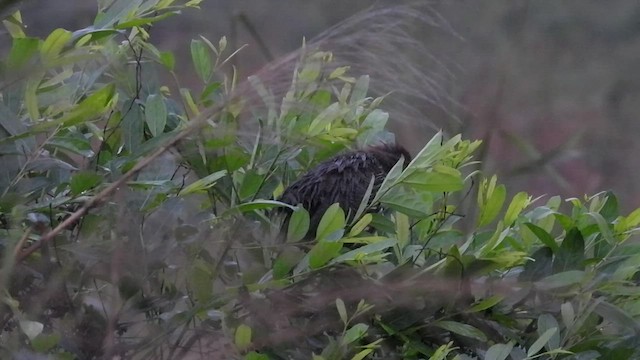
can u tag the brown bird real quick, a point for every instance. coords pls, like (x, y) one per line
(343, 179)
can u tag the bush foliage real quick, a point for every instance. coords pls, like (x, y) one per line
(138, 220)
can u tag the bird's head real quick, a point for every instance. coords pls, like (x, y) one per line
(389, 154)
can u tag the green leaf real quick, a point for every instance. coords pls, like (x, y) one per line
(257, 205)
(206, 182)
(155, 113)
(570, 255)
(360, 89)
(201, 279)
(541, 342)
(371, 127)
(84, 180)
(243, 337)
(117, 11)
(144, 20)
(332, 222)
(561, 280)
(360, 225)
(364, 252)
(544, 236)
(547, 322)
(355, 333)
(322, 252)
(251, 183)
(499, 351)
(539, 267)
(89, 109)
(133, 129)
(491, 199)
(54, 43)
(168, 60)
(568, 314)
(287, 259)
(255, 356)
(44, 342)
(298, 225)
(434, 181)
(462, 329)
(201, 60)
(615, 315)
(362, 354)
(342, 310)
(519, 202)
(324, 119)
(402, 229)
(76, 145)
(408, 202)
(22, 49)
(486, 303)
(610, 210)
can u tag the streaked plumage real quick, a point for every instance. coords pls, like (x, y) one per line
(343, 179)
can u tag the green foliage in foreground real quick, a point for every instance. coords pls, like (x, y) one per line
(187, 259)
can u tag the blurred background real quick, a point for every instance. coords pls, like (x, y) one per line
(552, 87)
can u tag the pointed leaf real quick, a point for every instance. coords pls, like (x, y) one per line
(298, 225)
(332, 221)
(155, 113)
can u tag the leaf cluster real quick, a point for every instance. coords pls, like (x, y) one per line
(189, 253)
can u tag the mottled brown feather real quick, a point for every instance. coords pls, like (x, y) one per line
(343, 179)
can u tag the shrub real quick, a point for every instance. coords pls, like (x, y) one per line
(137, 220)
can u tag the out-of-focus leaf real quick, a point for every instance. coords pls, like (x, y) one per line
(31, 328)
(614, 315)
(462, 329)
(499, 351)
(243, 337)
(22, 49)
(204, 183)
(43, 343)
(342, 310)
(84, 180)
(355, 333)
(287, 259)
(364, 252)
(253, 205)
(486, 303)
(360, 89)
(133, 129)
(255, 356)
(561, 280)
(155, 113)
(201, 60)
(547, 322)
(54, 43)
(116, 11)
(168, 60)
(326, 117)
(541, 341)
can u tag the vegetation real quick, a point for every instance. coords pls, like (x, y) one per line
(137, 220)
